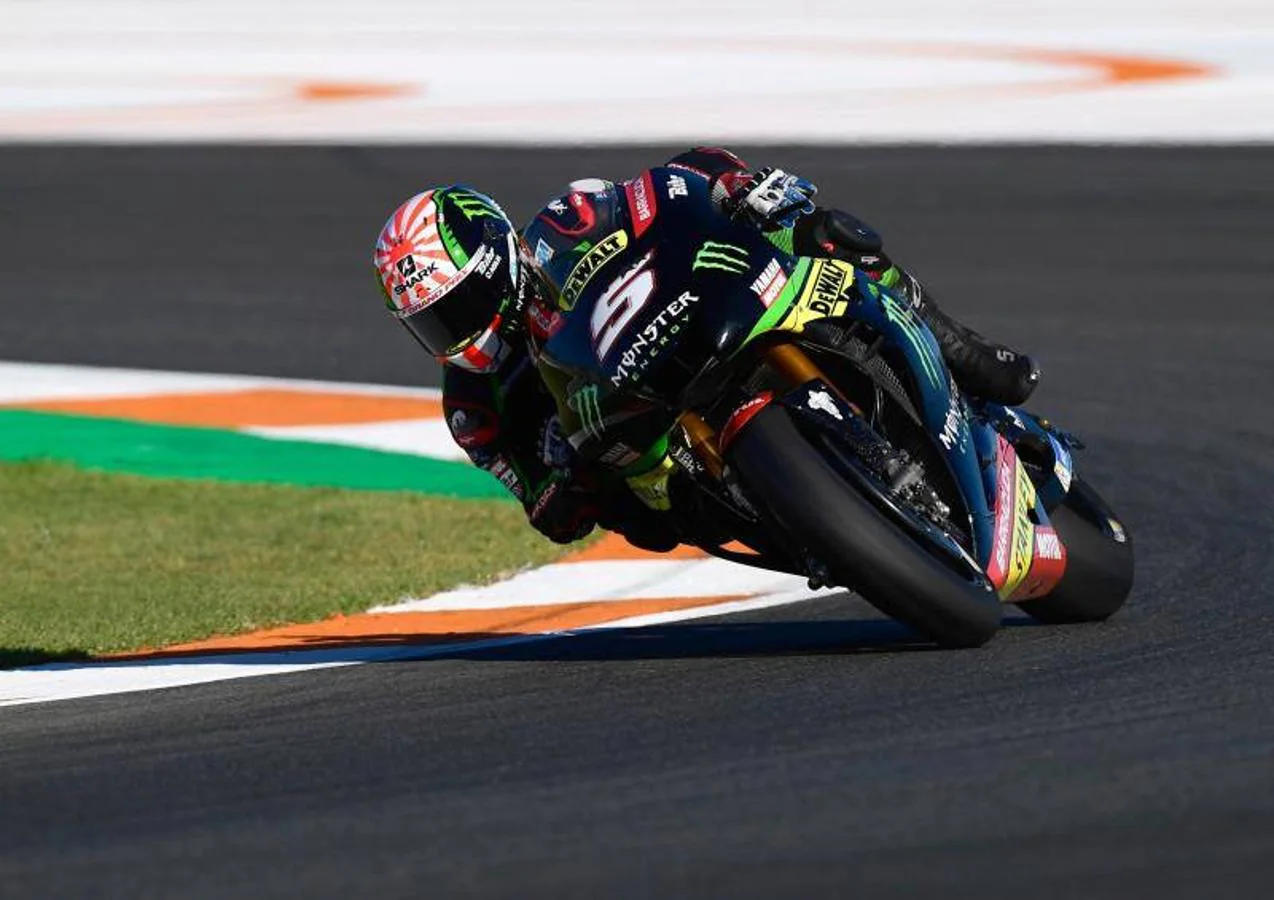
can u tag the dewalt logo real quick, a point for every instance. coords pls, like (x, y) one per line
(605, 250)
(822, 295)
(726, 257)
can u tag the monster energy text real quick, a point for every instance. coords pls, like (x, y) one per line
(652, 339)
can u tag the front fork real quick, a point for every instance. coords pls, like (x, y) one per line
(788, 361)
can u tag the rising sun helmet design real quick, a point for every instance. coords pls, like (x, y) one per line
(448, 265)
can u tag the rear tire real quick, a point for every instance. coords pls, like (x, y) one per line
(1099, 569)
(864, 548)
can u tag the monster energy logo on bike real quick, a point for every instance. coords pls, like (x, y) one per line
(906, 320)
(726, 257)
(584, 402)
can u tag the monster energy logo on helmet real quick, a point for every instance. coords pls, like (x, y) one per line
(726, 257)
(470, 205)
(475, 206)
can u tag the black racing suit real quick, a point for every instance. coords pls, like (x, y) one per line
(507, 421)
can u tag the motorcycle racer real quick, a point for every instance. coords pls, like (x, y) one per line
(459, 278)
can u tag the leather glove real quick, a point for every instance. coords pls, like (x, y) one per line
(556, 451)
(560, 511)
(770, 197)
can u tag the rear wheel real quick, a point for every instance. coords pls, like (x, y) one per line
(842, 529)
(1099, 566)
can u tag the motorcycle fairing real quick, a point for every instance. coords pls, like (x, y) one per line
(1027, 557)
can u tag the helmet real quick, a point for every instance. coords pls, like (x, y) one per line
(447, 263)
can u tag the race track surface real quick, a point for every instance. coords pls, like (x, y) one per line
(804, 751)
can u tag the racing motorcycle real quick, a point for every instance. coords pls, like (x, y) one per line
(811, 414)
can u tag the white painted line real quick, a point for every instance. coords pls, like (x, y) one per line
(416, 437)
(40, 382)
(70, 681)
(602, 580)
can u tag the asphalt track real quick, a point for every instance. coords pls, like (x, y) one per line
(804, 751)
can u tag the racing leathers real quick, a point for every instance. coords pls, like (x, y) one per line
(507, 421)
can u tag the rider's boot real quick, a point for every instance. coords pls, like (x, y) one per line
(985, 369)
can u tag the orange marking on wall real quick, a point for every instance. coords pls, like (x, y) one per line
(327, 91)
(1095, 70)
(286, 96)
(372, 629)
(265, 407)
(1113, 69)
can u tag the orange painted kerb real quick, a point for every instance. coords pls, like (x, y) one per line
(453, 626)
(261, 408)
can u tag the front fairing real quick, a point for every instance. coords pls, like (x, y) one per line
(672, 286)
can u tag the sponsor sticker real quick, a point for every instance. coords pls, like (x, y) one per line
(770, 283)
(619, 455)
(725, 257)
(411, 275)
(999, 566)
(652, 338)
(641, 201)
(1047, 545)
(504, 472)
(822, 401)
(950, 435)
(822, 295)
(485, 260)
(742, 416)
(601, 253)
(677, 187)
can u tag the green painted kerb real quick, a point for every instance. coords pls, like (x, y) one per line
(171, 452)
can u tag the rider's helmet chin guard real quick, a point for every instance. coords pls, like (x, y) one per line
(448, 264)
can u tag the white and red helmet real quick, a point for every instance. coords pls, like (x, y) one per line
(447, 262)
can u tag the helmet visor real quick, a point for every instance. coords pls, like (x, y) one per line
(460, 310)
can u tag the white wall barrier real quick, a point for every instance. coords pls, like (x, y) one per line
(657, 70)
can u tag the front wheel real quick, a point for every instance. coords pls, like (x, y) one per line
(844, 530)
(1099, 562)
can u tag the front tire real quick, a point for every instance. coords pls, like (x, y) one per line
(1099, 568)
(841, 527)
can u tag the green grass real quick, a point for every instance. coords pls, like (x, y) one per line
(93, 562)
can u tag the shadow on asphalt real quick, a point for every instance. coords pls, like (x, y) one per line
(830, 637)
(712, 639)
